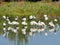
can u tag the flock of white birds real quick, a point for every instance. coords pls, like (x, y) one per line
(24, 23)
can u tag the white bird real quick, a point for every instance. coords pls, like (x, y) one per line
(45, 15)
(15, 23)
(16, 18)
(23, 30)
(41, 24)
(33, 29)
(4, 29)
(33, 22)
(51, 24)
(4, 24)
(4, 17)
(55, 20)
(46, 18)
(24, 19)
(40, 30)
(25, 27)
(24, 23)
(32, 17)
(9, 22)
(17, 28)
(7, 19)
(14, 30)
(9, 28)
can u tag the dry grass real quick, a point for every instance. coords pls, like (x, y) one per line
(28, 8)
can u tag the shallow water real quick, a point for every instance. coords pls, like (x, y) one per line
(49, 36)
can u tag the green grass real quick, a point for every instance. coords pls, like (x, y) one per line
(29, 8)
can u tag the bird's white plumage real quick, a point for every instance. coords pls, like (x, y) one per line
(45, 15)
(51, 24)
(32, 17)
(55, 20)
(33, 30)
(24, 23)
(4, 28)
(16, 18)
(4, 17)
(24, 19)
(33, 22)
(4, 24)
(15, 23)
